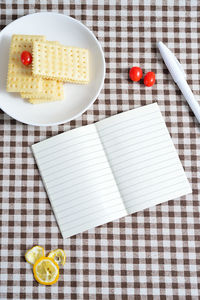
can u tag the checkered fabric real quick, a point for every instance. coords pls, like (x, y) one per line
(153, 254)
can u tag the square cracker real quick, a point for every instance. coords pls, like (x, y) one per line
(68, 64)
(20, 77)
(51, 89)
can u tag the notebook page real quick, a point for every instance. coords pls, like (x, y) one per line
(143, 158)
(78, 180)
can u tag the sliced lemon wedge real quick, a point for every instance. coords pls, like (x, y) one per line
(46, 271)
(58, 256)
(33, 254)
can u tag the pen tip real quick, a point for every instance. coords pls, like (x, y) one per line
(159, 44)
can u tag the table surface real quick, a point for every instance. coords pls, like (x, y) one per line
(153, 254)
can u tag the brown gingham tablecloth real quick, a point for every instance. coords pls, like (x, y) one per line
(153, 254)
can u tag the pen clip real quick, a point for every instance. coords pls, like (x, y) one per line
(180, 67)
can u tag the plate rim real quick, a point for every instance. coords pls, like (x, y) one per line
(94, 98)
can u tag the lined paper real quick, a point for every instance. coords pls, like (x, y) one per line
(143, 158)
(78, 180)
(104, 171)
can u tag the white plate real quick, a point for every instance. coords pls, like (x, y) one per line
(78, 98)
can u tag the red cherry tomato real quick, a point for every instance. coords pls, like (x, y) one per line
(26, 58)
(149, 79)
(135, 73)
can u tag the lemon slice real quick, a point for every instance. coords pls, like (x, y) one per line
(46, 271)
(58, 255)
(33, 254)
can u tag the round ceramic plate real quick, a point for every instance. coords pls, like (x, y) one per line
(69, 32)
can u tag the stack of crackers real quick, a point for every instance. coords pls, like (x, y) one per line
(52, 65)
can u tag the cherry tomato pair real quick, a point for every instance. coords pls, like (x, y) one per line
(135, 74)
(26, 58)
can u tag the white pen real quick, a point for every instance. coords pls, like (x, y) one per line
(179, 76)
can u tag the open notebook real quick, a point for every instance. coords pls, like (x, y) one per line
(107, 170)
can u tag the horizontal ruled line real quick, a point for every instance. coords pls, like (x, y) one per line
(125, 121)
(156, 156)
(82, 199)
(77, 182)
(96, 164)
(131, 152)
(139, 135)
(71, 173)
(86, 208)
(68, 153)
(110, 180)
(70, 228)
(167, 173)
(146, 173)
(131, 126)
(157, 190)
(150, 185)
(56, 165)
(171, 191)
(85, 194)
(61, 143)
(85, 142)
(63, 182)
(138, 143)
(145, 167)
